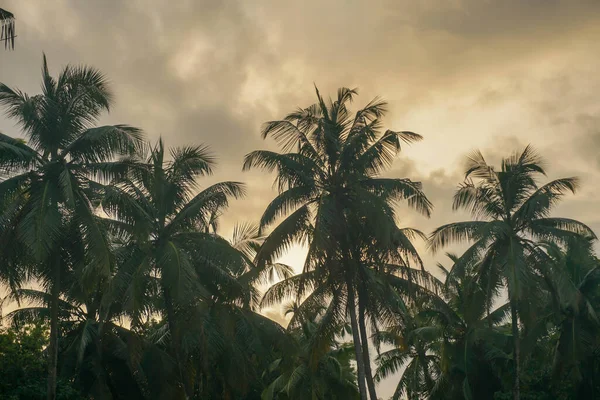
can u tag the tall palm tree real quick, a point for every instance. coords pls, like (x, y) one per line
(387, 289)
(329, 187)
(512, 214)
(7, 29)
(386, 282)
(165, 228)
(49, 191)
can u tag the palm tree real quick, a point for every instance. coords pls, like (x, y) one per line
(573, 308)
(105, 359)
(470, 337)
(247, 240)
(447, 343)
(167, 243)
(386, 283)
(296, 375)
(49, 189)
(232, 344)
(512, 214)
(329, 188)
(415, 358)
(7, 29)
(388, 290)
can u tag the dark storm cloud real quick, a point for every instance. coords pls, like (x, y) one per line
(464, 73)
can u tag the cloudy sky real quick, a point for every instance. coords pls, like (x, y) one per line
(493, 75)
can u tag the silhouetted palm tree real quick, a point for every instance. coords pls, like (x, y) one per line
(330, 189)
(574, 309)
(512, 215)
(296, 375)
(166, 232)
(446, 345)
(49, 191)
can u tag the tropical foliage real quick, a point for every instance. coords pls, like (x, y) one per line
(125, 287)
(7, 29)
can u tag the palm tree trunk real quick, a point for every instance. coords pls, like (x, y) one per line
(53, 345)
(357, 344)
(516, 350)
(365, 348)
(174, 332)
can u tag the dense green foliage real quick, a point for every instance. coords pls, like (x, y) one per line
(24, 366)
(127, 290)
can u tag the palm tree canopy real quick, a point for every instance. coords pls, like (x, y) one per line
(329, 173)
(51, 181)
(512, 213)
(165, 225)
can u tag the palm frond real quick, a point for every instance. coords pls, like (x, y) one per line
(293, 230)
(286, 202)
(209, 201)
(395, 189)
(103, 143)
(457, 232)
(189, 163)
(15, 155)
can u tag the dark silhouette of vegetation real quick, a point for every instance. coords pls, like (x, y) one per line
(7, 29)
(24, 366)
(329, 181)
(126, 289)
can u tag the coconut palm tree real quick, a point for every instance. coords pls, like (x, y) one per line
(297, 375)
(231, 343)
(225, 343)
(7, 29)
(104, 359)
(447, 342)
(470, 337)
(49, 188)
(512, 214)
(417, 360)
(389, 290)
(164, 226)
(574, 309)
(329, 188)
(386, 283)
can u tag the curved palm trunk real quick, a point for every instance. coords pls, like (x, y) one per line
(357, 344)
(516, 350)
(53, 345)
(365, 348)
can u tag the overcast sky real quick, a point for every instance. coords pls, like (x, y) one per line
(493, 75)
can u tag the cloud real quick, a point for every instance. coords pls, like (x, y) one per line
(466, 74)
